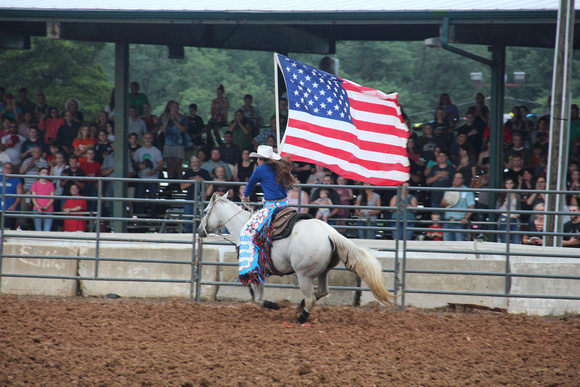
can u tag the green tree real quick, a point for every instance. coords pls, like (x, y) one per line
(195, 78)
(62, 69)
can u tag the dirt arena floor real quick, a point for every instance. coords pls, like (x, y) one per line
(101, 342)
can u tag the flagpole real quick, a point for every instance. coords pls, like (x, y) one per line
(277, 102)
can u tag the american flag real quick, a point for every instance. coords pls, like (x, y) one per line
(352, 130)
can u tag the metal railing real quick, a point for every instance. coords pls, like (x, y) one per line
(174, 221)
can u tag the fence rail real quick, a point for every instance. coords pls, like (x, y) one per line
(158, 230)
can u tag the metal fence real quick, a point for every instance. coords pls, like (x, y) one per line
(172, 220)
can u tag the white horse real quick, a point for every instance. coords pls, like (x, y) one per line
(311, 251)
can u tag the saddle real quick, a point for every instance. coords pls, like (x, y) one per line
(283, 221)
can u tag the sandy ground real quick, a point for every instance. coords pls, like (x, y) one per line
(99, 342)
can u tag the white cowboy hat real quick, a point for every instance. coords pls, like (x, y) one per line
(265, 152)
(451, 197)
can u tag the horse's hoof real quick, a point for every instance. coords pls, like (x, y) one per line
(271, 305)
(303, 317)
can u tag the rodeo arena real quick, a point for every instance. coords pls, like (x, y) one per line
(326, 254)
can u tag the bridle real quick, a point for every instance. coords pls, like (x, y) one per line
(219, 231)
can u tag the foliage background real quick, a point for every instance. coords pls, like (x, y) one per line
(65, 69)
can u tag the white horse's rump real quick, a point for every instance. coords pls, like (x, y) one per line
(311, 251)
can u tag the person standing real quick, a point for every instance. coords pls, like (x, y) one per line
(193, 173)
(151, 121)
(91, 168)
(74, 207)
(12, 145)
(241, 130)
(572, 227)
(219, 112)
(136, 124)
(368, 217)
(406, 201)
(262, 137)
(214, 161)
(72, 170)
(440, 175)
(274, 174)
(67, 133)
(49, 126)
(148, 162)
(42, 207)
(174, 127)
(230, 153)
(32, 141)
(74, 107)
(136, 98)
(458, 220)
(510, 204)
(196, 128)
(82, 143)
(32, 167)
(451, 110)
(252, 114)
(14, 186)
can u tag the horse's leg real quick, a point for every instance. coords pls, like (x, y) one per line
(307, 288)
(322, 290)
(257, 292)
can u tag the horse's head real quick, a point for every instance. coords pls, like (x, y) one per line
(210, 221)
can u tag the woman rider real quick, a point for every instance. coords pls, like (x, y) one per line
(274, 174)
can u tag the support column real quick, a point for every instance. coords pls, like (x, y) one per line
(559, 119)
(496, 118)
(121, 140)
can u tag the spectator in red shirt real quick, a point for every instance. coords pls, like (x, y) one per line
(92, 168)
(73, 206)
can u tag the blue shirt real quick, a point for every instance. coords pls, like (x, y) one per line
(173, 136)
(266, 175)
(466, 199)
(11, 189)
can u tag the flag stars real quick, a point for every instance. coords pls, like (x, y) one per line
(315, 92)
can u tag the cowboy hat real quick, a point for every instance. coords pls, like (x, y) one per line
(451, 197)
(265, 152)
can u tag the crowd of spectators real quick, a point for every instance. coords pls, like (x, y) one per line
(450, 151)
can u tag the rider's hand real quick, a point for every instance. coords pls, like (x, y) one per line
(245, 198)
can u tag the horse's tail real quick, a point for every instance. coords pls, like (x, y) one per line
(367, 267)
